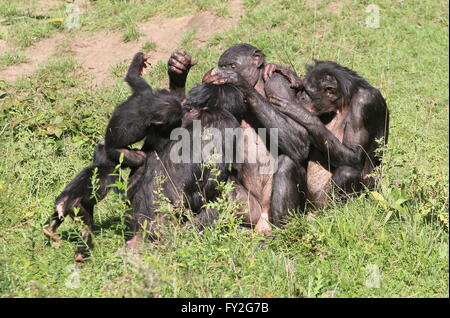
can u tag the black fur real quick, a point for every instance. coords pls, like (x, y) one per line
(339, 93)
(189, 184)
(241, 49)
(348, 80)
(79, 193)
(144, 109)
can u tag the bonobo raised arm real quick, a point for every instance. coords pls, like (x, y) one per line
(131, 120)
(178, 68)
(292, 139)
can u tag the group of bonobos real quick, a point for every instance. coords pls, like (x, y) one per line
(330, 124)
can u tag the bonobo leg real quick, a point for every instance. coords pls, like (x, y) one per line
(142, 218)
(50, 228)
(289, 189)
(255, 205)
(131, 158)
(205, 218)
(87, 215)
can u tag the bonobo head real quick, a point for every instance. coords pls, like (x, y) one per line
(246, 60)
(329, 87)
(209, 96)
(167, 111)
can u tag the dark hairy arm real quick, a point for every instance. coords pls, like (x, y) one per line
(349, 152)
(179, 65)
(292, 137)
(133, 77)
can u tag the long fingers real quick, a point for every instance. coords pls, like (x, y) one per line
(176, 66)
(278, 101)
(210, 76)
(180, 61)
(268, 71)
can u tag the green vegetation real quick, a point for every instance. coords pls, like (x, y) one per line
(8, 59)
(149, 46)
(50, 122)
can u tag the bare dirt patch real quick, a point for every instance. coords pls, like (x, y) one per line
(37, 54)
(335, 7)
(3, 46)
(106, 49)
(311, 4)
(100, 51)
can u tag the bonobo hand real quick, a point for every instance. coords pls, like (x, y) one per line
(220, 76)
(179, 65)
(281, 102)
(288, 107)
(294, 80)
(145, 62)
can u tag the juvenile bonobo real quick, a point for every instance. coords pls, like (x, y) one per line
(79, 194)
(243, 66)
(144, 114)
(346, 118)
(188, 183)
(143, 110)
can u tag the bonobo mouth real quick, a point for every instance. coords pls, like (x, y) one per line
(326, 118)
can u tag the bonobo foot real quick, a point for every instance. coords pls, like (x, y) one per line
(82, 253)
(135, 243)
(56, 239)
(145, 63)
(81, 257)
(263, 226)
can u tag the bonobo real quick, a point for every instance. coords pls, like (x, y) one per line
(144, 113)
(243, 66)
(178, 68)
(80, 194)
(346, 119)
(187, 183)
(144, 109)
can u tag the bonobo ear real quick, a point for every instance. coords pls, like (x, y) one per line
(258, 59)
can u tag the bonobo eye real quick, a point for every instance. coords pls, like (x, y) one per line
(233, 66)
(329, 89)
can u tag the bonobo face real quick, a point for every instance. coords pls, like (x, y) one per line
(248, 66)
(321, 92)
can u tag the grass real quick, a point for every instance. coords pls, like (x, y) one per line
(50, 122)
(149, 46)
(8, 59)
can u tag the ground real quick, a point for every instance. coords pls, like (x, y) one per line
(59, 86)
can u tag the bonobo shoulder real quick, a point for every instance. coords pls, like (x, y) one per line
(368, 106)
(279, 85)
(366, 97)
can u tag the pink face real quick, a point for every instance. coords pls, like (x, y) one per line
(246, 66)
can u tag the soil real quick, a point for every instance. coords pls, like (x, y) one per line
(98, 52)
